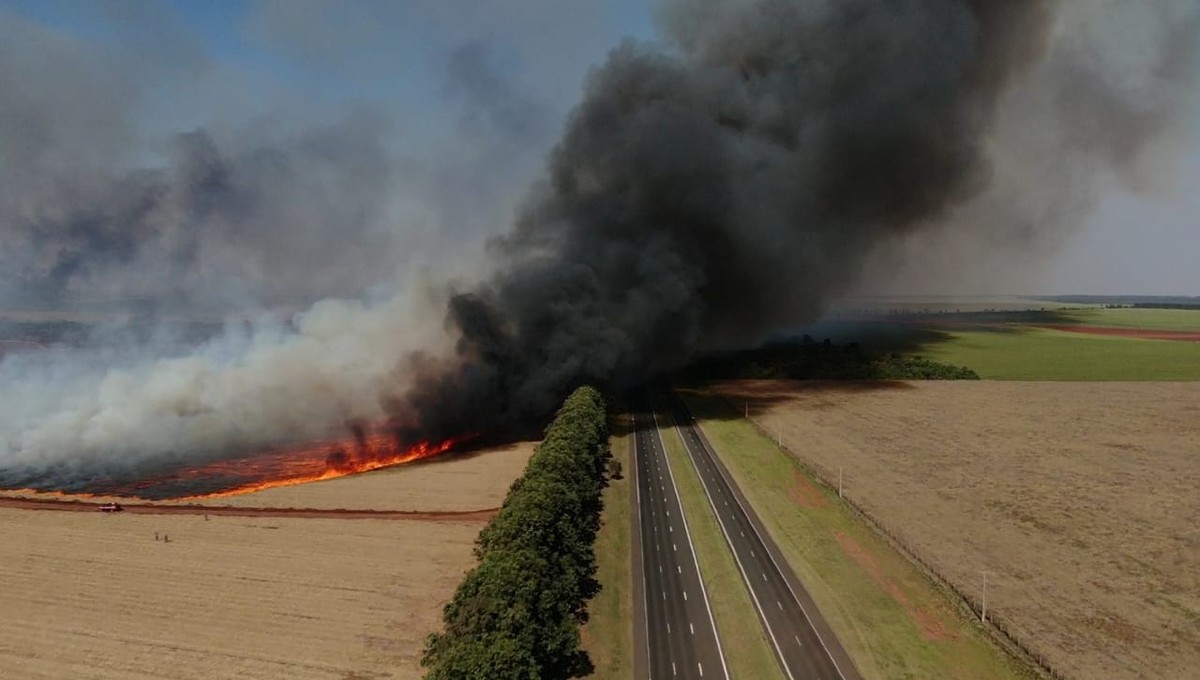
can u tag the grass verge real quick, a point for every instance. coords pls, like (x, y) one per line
(747, 651)
(608, 634)
(893, 620)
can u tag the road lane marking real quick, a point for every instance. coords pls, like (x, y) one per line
(777, 604)
(729, 483)
(691, 628)
(695, 561)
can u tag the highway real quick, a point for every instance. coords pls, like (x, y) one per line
(804, 645)
(680, 636)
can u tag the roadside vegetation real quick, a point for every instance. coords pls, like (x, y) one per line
(608, 634)
(893, 620)
(519, 612)
(747, 651)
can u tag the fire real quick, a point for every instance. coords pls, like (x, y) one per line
(364, 451)
(313, 463)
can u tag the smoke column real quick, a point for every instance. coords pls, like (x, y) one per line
(711, 188)
(707, 194)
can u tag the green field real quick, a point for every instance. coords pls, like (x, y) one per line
(1041, 354)
(608, 634)
(743, 640)
(1145, 319)
(893, 621)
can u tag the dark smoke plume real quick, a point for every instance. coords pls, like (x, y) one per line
(727, 185)
(709, 190)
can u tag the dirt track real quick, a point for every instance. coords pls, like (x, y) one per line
(1137, 333)
(61, 505)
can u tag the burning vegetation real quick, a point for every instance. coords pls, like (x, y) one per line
(364, 451)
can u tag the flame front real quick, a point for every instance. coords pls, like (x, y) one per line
(265, 469)
(314, 463)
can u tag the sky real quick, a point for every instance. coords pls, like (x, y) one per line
(433, 73)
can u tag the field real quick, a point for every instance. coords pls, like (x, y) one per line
(1043, 354)
(1076, 498)
(96, 596)
(1149, 319)
(1039, 344)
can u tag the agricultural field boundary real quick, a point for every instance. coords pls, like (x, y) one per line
(995, 627)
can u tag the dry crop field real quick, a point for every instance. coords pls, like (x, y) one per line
(91, 595)
(1079, 499)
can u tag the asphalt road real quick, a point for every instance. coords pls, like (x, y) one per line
(680, 635)
(804, 644)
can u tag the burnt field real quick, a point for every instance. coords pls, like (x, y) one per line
(1076, 498)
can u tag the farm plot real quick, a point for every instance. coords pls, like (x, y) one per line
(108, 597)
(1078, 499)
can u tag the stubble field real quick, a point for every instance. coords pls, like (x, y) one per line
(1077, 498)
(90, 595)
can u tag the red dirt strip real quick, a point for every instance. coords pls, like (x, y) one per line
(1138, 333)
(481, 515)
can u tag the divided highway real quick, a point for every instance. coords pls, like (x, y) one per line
(680, 636)
(803, 642)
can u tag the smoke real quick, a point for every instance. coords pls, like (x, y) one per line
(728, 181)
(733, 182)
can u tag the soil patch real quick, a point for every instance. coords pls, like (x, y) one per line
(806, 494)
(928, 622)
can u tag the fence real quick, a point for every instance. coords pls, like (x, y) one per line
(1000, 629)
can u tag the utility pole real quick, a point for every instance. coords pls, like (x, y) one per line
(983, 607)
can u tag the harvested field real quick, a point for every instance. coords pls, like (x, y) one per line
(1077, 498)
(95, 595)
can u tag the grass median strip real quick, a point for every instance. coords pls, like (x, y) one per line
(747, 651)
(893, 620)
(608, 634)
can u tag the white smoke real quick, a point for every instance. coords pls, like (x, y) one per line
(257, 382)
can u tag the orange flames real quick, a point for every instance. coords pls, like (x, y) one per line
(312, 463)
(284, 466)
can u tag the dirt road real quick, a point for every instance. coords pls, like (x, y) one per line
(64, 505)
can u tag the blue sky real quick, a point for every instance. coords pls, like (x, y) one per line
(236, 60)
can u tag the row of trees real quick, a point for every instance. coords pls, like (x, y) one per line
(810, 360)
(518, 613)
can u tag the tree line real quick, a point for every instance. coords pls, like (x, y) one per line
(807, 359)
(518, 613)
